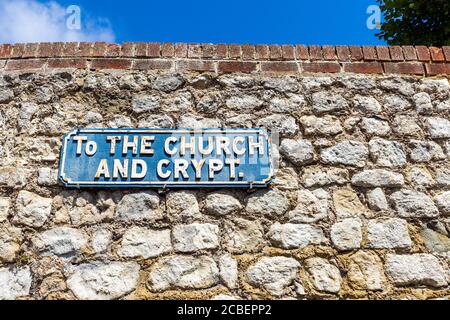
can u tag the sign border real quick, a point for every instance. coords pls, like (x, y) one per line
(181, 184)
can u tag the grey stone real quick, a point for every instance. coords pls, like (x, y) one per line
(320, 177)
(243, 103)
(120, 121)
(326, 125)
(5, 204)
(221, 204)
(316, 82)
(403, 86)
(284, 125)
(103, 280)
(378, 178)
(267, 202)
(6, 95)
(195, 236)
(14, 283)
(298, 152)
(209, 103)
(183, 272)
(436, 241)
(438, 128)
(328, 102)
(388, 234)
(293, 103)
(394, 103)
(47, 177)
(284, 84)
(293, 236)
(406, 125)
(237, 80)
(325, 276)
(26, 113)
(423, 103)
(425, 151)
(157, 121)
(12, 177)
(228, 271)
(145, 103)
(190, 122)
(377, 200)
(273, 274)
(243, 236)
(347, 234)
(182, 205)
(367, 105)
(31, 209)
(61, 241)
(420, 176)
(413, 204)
(142, 243)
(443, 177)
(387, 153)
(168, 83)
(416, 269)
(139, 206)
(351, 153)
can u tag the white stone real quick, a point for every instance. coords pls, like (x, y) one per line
(47, 177)
(387, 153)
(156, 121)
(377, 200)
(393, 103)
(273, 274)
(378, 178)
(375, 127)
(413, 204)
(443, 202)
(293, 103)
(388, 234)
(284, 84)
(10, 240)
(103, 280)
(139, 206)
(61, 241)
(406, 125)
(365, 271)
(120, 121)
(182, 205)
(31, 209)
(143, 243)
(12, 177)
(267, 202)
(443, 177)
(298, 152)
(293, 236)
(312, 206)
(101, 239)
(191, 122)
(367, 105)
(326, 125)
(6, 95)
(242, 236)
(347, 234)
(195, 236)
(14, 283)
(221, 204)
(320, 176)
(400, 84)
(328, 102)
(352, 153)
(325, 276)
(228, 271)
(420, 176)
(416, 269)
(438, 128)
(183, 272)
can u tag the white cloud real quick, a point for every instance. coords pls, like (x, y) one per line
(32, 21)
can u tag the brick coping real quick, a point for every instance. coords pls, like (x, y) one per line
(227, 58)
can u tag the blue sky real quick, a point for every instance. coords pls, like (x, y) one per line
(231, 21)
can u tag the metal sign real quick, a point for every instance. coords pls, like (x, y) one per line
(166, 158)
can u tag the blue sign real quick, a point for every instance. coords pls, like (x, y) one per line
(166, 158)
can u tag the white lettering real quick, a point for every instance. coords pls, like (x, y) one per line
(134, 165)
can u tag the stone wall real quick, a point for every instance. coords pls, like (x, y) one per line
(360, 207)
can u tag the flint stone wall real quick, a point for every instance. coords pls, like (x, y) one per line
(360, 207)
